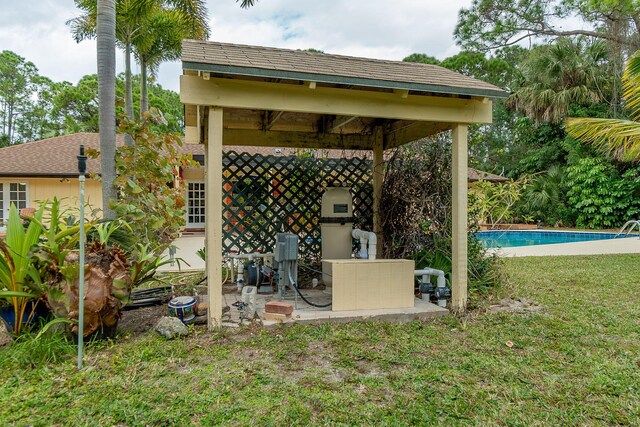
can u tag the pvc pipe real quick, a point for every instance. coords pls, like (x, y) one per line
(240, 281)
(233, 255)
(426, 274)
(366, 237)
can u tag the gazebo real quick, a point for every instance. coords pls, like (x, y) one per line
(257, 96)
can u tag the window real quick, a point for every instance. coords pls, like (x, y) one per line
(11, 193)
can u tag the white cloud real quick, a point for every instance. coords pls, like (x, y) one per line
(374, 28)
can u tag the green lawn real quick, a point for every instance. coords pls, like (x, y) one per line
(576, 362)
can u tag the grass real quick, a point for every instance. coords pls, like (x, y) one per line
(576, 362)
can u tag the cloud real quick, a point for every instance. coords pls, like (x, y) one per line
(375, 28)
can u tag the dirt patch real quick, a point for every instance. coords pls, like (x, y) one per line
(141, 320)
(522, 305)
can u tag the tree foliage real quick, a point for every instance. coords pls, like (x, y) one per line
(600, 196)
(46, 108)
(565, 73)
(619, 137)
(491, 24)
(150, 197)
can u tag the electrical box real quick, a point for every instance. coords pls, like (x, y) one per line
(286, 247)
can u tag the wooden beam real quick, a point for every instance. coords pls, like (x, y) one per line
(402, 93)
(271, 118)
(404, 132)
(213, 162)
(324, 100)
(378, 180)
(259, 138)
(459, 217)
(337, 124)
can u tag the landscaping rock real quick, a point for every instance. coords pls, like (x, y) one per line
(171, 327)
(5, 336)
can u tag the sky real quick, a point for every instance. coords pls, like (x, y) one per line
(381, 29)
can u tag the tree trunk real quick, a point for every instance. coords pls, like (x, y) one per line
(106, 41)
(128, 93)
(144, 102)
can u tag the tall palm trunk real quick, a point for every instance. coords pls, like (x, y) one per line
(128, 92)
(144, 100)
(106, 41)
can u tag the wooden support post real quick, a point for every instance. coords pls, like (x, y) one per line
(378, 179)
(213, 164)
(459, 231)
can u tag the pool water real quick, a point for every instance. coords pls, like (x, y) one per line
(509, 238)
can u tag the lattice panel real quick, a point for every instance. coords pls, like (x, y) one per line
(264, 195)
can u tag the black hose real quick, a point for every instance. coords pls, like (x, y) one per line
(295, 286)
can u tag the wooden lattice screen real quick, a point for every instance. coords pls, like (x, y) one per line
(264, 194)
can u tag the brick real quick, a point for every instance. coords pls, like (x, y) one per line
(278, 307)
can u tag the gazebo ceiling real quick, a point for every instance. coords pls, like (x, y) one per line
(283, 97)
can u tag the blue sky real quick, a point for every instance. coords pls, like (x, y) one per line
(382, 29)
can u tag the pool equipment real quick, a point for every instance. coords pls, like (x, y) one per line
(368, 241)
(439, 292)
(336, 224)
(183, 308)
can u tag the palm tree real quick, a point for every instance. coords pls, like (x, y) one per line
(162, 37)
(106, 41)
(130, 21)
(559, 75)
(621, 138)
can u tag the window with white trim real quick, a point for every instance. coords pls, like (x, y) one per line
(11, 192)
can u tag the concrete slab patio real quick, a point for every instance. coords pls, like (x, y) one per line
(306, 314)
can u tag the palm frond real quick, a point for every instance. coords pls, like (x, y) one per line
(621, 138)
(631, 86)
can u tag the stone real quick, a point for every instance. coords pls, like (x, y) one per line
(171, 327)
(278, 307)
(5, 335)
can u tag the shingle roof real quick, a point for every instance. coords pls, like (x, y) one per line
(478, 175)
(321, 67)
(56, 157)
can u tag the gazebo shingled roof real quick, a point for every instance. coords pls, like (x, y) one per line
(268, 62)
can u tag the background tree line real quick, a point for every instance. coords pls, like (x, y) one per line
(33, 106)
(563, 73)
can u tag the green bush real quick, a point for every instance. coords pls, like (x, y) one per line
(600, 196)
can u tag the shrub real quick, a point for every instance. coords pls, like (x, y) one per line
(416, 221)
(600, 196)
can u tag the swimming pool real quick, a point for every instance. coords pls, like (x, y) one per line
(512, 238)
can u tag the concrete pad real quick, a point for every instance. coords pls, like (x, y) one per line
(306, 314)
(630, 245)
(186, 248)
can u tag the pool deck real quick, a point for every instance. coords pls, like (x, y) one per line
(629, 245)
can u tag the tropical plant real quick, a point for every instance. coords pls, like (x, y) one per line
(151, 199)
(493, 203)
(544, 198)
(17, 272)
(145, 263)
(559, 75)
(600, 196)
(621, 138)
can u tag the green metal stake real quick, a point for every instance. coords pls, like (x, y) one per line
(82, 167)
